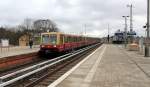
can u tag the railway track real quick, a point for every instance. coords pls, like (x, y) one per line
(46, 72)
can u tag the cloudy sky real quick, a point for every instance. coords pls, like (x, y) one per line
(72, 15)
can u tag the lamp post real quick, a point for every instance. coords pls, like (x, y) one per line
(125, 35)
(131, 22)
(148, 24)
(131, 17)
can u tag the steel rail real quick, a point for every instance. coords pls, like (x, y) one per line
(31, 67)
(37, 65)
(39, 68)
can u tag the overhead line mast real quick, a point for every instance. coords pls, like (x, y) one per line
(131, 17)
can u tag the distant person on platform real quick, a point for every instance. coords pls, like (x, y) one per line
(31, 43)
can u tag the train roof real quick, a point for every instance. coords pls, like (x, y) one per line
(66, 34)
(51, 33)
(60, 33)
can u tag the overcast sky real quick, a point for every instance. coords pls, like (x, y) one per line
(73, 15)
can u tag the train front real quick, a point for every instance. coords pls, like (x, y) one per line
(48, 43)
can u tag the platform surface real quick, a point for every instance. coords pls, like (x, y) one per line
(17, 50)
(108, 66)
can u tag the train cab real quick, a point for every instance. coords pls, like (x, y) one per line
(50, 42)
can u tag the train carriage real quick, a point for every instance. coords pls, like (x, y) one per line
(56, 42)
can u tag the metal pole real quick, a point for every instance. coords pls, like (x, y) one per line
(125, 31)
(131, 24)
(125, 36)
(148, 23)
(131, 21)
(108, 34)
(148, 19)
(131, 18)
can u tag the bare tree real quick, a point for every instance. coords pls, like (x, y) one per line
(45, 25)
(28, 23)
(27, 27)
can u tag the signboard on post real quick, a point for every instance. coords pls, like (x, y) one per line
(5, 42)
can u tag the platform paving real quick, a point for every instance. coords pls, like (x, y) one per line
(17, 50)
(109, 66)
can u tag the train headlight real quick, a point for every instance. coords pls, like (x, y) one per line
(48, 46)
(42, 46)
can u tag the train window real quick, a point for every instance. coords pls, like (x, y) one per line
(76, 39)
(79, 38)
(66, 40)
(53, 38)
(82, 39)
(45, 38)
(72, 39)
(69, 39)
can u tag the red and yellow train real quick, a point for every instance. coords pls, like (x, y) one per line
(57, 42)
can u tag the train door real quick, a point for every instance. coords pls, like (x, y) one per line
(66, 42)
(60, 40)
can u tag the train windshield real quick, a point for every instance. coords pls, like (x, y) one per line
(53, 39)
(49, 38)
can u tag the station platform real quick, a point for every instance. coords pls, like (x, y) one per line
(108, 66)
(17, 50)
